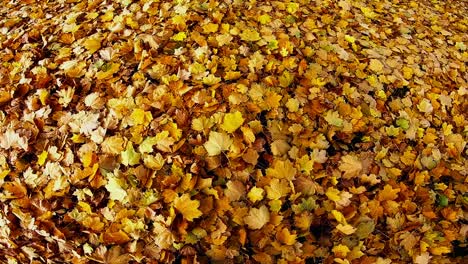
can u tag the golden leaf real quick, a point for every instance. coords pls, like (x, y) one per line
(250, 35)
(257, 218)
(217, 143)
(187, 207)
(351, 166)
(376, 66)
(232, 121)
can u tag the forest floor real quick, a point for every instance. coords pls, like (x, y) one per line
(233, 131)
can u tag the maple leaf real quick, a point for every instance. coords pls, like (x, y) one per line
(351, 166)
(333, 118)
(285, 237)
(388, 193)
(211, 79)
(232, 121)
(73, 68)
(147, 145)
(113, 145)
(235, 190)
(341, 250)
(224, 39)
(250, 35)
(130, 156)
(181, 36)
(264, 19)
(164, 141)
(93, 43)
(277, 189)
(376, 66)
(409, 241)
(217, 143)
(116, 256)
(346, 229)
(187, 207)
(257, 218)
(107, 70)
(11, 139)
(115, 190)
(141, 117)
(424, 258)
(255, 194)
(282, 170)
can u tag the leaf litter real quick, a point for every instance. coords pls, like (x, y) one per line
(240, 131)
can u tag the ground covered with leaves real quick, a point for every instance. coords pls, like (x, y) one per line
(233, 131)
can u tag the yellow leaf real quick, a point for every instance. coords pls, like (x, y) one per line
(211, 79)
(154, 162)
(277, 189)
(42, 157)
(285, 237)
(92, 44)
(115, 190)
(346, 229)
(147, 145)
(3, 174)
(232, 75)
(292, 8)
(350, 166)
(264, 19)
(339, 217)
(141, 117)
(77, 138)
(217, 143)
(113, 145)
(164, 141)
(376, 66)
(407, 72)
(43, 95)
(255, 194)
(333, 118)
(73, 68)
(280, 147)
(235, 190)
(388, 193)
(424, 258)
(282, 170)
(286, 79)
(341, 250)
(70, 28)
(201, 123)
(272, 100)
(129, 156)
(250, 35)
(257, 218)
(210, 28)
(349, 38)
(187, 207)
(108, 71)
(179, 36)
(85, 207)
(87, 159)
(248, 134)
(224, 39)
(292, 105)
(368, 12)
(333, 194)
(232, 121)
